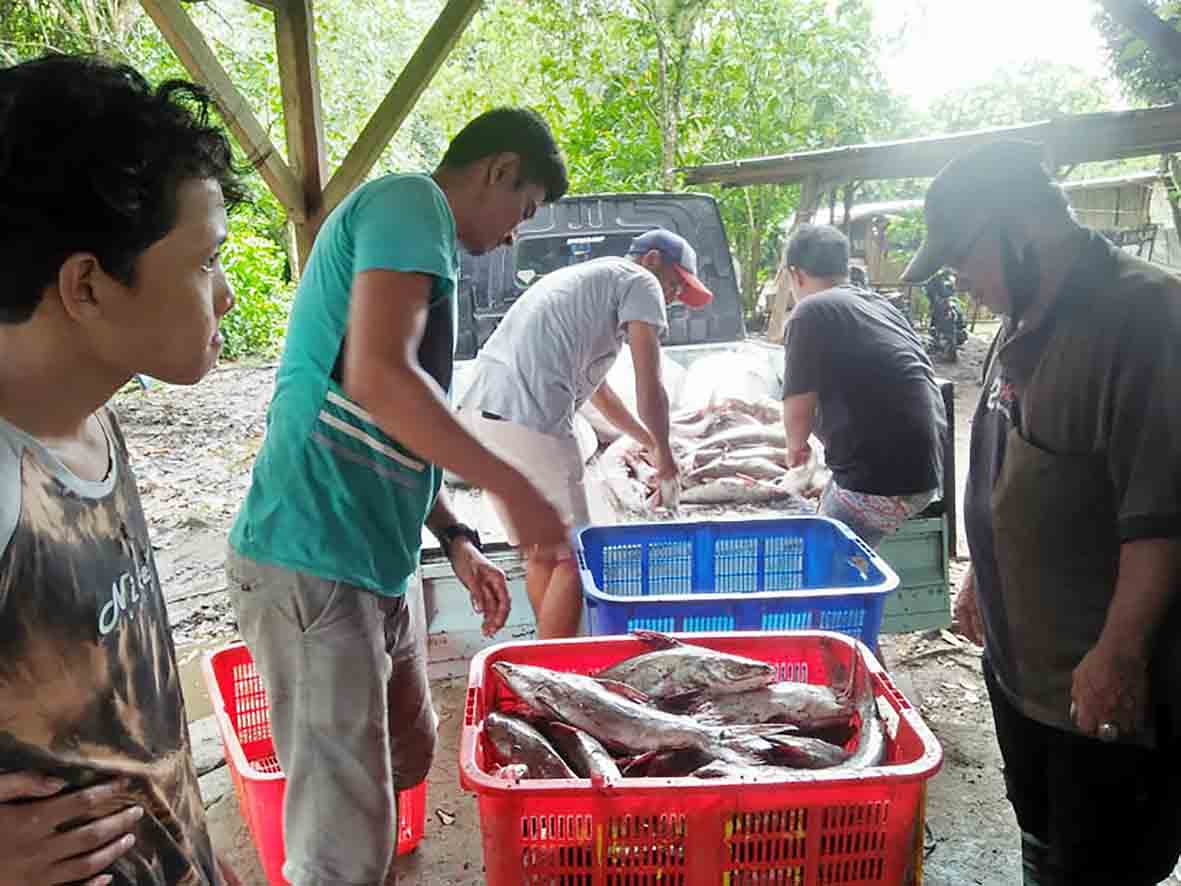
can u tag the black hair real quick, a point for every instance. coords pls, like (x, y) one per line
(516, 131)
(90, 161)
(819, 250)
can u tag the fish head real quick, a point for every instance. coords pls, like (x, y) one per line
(740, 675)
(536, 688)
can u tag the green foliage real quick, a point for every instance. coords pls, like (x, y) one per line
(1034, 91)
(1136, 66)
(905, 234)
(632, 88)
(256, 267)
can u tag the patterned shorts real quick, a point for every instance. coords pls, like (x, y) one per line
(872, 517)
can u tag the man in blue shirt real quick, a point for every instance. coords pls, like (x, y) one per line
(359, 433)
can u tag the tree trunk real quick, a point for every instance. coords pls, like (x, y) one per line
(750, 283)
(810, 196)
(1138, 18)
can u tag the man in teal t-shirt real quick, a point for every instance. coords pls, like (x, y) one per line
(358, 436)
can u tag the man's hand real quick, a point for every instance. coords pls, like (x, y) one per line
(797, 458)
(35, 848)
(668, 481)
(967, 610)
(486, 584)
(1110, 686)
(799, 418)
(666, 465)
(1109, 691)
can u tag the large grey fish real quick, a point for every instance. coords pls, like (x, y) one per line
(804, 705)
(756, 467)
(774, 757)
(747, 772)
(585, 754)
(871, 737)
(679, 670)
(618, 722)
(516, 742)
(665, 764)
(804, 752)
(791, 751)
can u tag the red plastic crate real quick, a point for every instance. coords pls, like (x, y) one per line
(240, 704)
(821, 828)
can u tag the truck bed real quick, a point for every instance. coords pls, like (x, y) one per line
(918, 553)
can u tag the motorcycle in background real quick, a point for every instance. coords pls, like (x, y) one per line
(948, 327)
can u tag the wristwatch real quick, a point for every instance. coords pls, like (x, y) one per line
(458, 530)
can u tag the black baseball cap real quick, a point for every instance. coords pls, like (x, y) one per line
(995, 179)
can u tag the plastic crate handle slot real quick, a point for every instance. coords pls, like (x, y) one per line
(471, 705)
(579, 551)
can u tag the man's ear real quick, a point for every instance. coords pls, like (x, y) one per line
(502, 167)
(78, 283)
(653, 260)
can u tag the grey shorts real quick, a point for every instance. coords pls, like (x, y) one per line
(872, 517)
(351, 714)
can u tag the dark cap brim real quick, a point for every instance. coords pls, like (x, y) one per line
(925, 264)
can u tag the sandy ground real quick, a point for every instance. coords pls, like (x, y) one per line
(193, 448)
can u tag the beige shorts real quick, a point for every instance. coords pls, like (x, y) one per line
(553, 464)
(351, 714)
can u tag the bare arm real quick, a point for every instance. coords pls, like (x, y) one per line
(651, 397)
(799, 418)
(387, 319)
(1111, 683)
(615, 411)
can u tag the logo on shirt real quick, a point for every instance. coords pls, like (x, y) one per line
(127, 593)
(1001, 397)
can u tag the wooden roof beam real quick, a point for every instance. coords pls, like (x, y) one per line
(418, 73)
(1076, 139)
(194, 53)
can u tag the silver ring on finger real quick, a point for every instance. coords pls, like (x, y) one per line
(1108, 732)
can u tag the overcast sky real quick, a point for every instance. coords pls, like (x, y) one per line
(948, 44)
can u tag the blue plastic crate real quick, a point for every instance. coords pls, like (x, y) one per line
(789, 573)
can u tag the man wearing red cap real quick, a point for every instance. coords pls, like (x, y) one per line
(549, 355)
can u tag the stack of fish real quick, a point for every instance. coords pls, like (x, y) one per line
(681, 710)
(731, 451)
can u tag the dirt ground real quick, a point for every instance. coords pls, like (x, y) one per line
(193, 448)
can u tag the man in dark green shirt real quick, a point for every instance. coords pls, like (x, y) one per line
(1073, 516)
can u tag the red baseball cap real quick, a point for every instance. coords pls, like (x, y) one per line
(676, 248)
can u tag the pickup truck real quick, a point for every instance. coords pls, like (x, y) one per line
(579, 228)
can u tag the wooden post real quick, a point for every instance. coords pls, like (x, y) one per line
(875, 227)
(300, 187)
(295, 41)
(810, 195)
(194, 53)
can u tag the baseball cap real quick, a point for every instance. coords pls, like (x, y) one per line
(676, 248)
(998, 178)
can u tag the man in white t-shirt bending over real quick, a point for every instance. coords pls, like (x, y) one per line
(549, 355)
